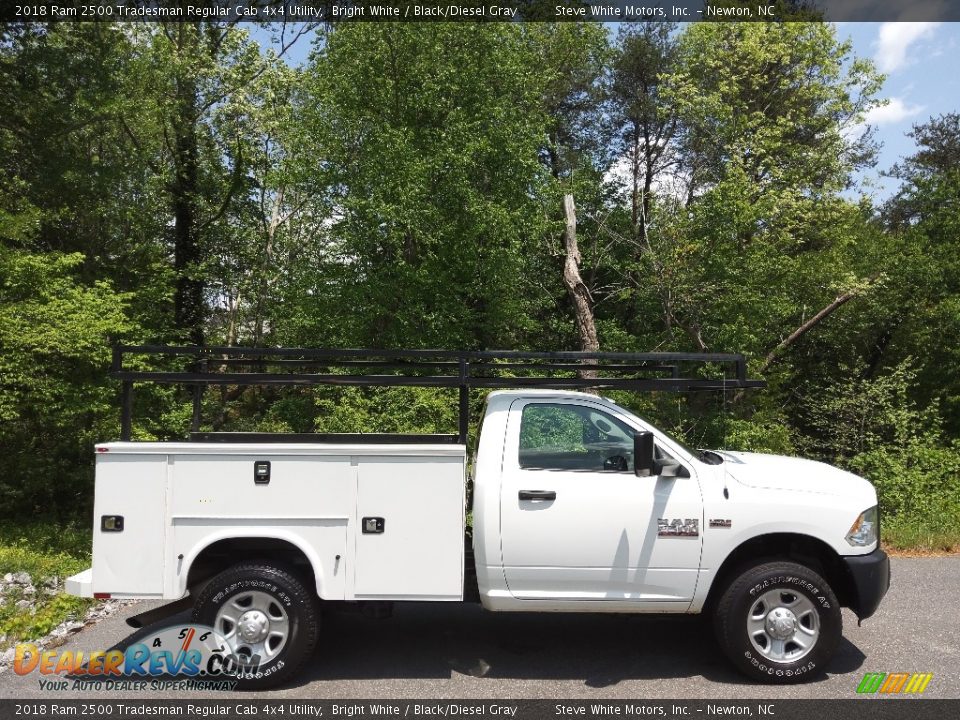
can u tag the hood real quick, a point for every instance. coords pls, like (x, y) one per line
(778, 472)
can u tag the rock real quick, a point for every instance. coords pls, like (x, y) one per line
(22, 578)
(53, 583)
(60, 634)
(8, 578)
(29, 590)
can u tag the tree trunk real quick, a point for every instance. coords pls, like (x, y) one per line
(579, 294)
(188, 299)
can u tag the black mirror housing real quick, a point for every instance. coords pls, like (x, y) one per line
(643, 454)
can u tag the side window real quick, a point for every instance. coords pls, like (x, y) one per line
(573, 437)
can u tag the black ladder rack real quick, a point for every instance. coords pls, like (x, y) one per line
(198, 367)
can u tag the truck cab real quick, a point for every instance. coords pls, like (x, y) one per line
(556, 472)
(581, 530)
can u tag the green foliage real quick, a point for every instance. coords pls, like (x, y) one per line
(430, 134)
(54, 399)
(45, 548)
(924, 218)
(859, 415)
(404, 410)
(874, 428)
(760, 434)
(45, 551)
(20, 626)
(403, 189)
(919, 482)
(764, 108)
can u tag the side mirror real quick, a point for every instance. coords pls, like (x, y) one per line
(643, 454)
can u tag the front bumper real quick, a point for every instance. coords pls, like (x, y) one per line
(870, 580)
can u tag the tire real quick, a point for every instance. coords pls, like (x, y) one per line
(779, 623)
(273, 602)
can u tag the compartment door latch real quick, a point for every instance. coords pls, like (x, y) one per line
(372, 525)
(261, 472)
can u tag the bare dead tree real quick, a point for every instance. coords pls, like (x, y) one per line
(576, 288)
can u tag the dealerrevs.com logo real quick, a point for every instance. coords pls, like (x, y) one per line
(894, 683)
(176, 657)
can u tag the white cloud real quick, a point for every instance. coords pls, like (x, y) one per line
(893, 112)
(894, 41)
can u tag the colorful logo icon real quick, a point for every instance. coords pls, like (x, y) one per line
(181, 650)
(893, 683)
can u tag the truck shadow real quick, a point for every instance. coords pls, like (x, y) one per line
(434, 640)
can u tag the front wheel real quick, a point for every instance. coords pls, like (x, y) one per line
(779, 622)
(265, 614)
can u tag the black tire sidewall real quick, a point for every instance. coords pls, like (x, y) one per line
(290, 593)
(735, 607)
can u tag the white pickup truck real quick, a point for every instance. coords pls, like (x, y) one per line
(577, 506)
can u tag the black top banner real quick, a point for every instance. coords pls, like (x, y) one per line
(605, 11)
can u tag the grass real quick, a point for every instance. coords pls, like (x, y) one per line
(44, 550)
(935, 536)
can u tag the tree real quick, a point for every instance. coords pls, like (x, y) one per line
(765, 149)
(648, 125)
(924, 221)
(55, 334)
(576, 151)
(186, 113)
(429, 135)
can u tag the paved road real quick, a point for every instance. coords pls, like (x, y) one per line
(458, 651)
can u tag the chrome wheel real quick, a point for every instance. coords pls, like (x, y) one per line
(253, 624)
(783, 625)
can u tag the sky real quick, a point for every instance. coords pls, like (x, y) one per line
(921, 62)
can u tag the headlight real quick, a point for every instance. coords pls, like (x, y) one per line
(863, 532)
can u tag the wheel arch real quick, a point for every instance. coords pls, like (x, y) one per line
(803, 549)
(216, 554)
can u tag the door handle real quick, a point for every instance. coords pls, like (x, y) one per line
(537, 495)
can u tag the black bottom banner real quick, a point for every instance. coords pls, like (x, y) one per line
(243, 706)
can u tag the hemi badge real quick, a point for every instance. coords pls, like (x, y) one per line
(720, 523)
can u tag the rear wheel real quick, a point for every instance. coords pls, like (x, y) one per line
(263, 612)
(779, 622)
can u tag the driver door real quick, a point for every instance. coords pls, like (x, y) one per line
(578, 524)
